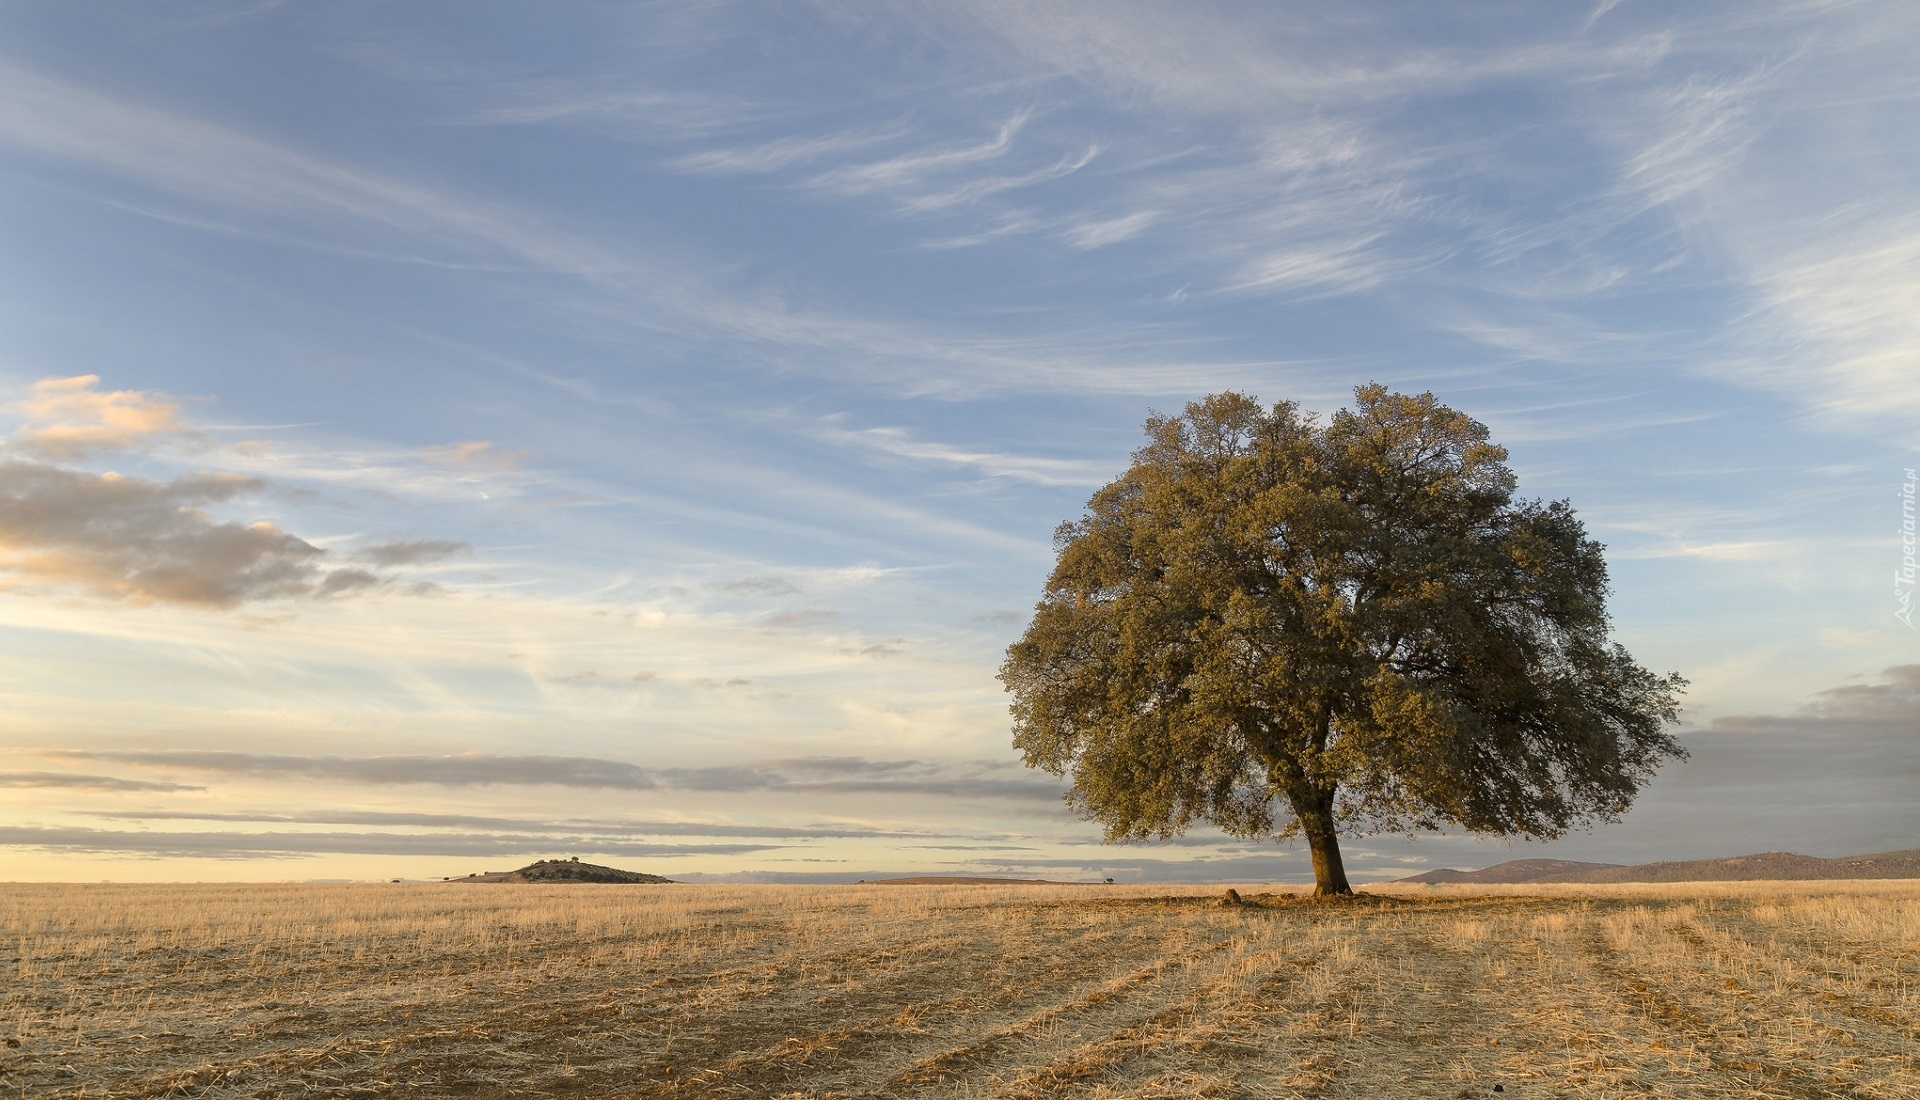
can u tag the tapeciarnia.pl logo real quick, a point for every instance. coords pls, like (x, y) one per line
(1903, 577)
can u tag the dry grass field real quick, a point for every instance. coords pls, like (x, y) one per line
(1748, 990)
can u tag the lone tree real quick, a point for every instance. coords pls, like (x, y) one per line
(1351, 626)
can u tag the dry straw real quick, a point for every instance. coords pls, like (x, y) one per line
(1737, 989)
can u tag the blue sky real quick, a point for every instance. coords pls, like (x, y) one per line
(442, 435)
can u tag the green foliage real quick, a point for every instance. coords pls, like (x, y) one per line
(1355, 623)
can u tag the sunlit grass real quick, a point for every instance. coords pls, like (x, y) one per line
(1732, 989)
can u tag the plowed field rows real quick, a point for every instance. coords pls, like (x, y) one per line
(1742, 990)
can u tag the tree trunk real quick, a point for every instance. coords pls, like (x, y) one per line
(1316, 820)
(1329, 874)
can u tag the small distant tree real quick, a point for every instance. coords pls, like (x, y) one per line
(1284, 627)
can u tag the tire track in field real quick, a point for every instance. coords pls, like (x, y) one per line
(602, 1034)
(882, 1046)
(1565, 1023)
(885, 1010)
(1731, 941)
(1659, 1007)
(1264, 1038)
(790, 985)
(607, 1046)
(438, 1056)
(1207, 1010)
(1424, 1013)
(974, 1056)
(1877, 1033)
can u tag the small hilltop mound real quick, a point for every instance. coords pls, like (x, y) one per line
(563, 870)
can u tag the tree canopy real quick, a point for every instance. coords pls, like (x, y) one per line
(1288, 627)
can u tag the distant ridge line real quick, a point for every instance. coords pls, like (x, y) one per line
(1514, 870)
(1758, 867)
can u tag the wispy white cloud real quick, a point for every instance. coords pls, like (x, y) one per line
(1752, 550)
(1097, 234)
(1344, 264)
(899, 443)
(1300, 187)
(1599, 11)
(778, 154)
(679, 113)
(206, 162)
(910, 170)
(929, 358)
(468, 471)
(1689, 137)
(1847, 304)
(971, 191)
(1774, 163)
(929, 179)
(247, 176)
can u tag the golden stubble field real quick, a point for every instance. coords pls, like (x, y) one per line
(1748, 990)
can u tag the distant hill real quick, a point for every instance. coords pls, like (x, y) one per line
(564, 870)
(1759, 867)
(1766, 866)
(1514, 870)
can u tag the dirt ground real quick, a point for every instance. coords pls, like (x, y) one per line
(1737, 990)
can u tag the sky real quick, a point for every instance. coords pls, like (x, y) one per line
(443, 435)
